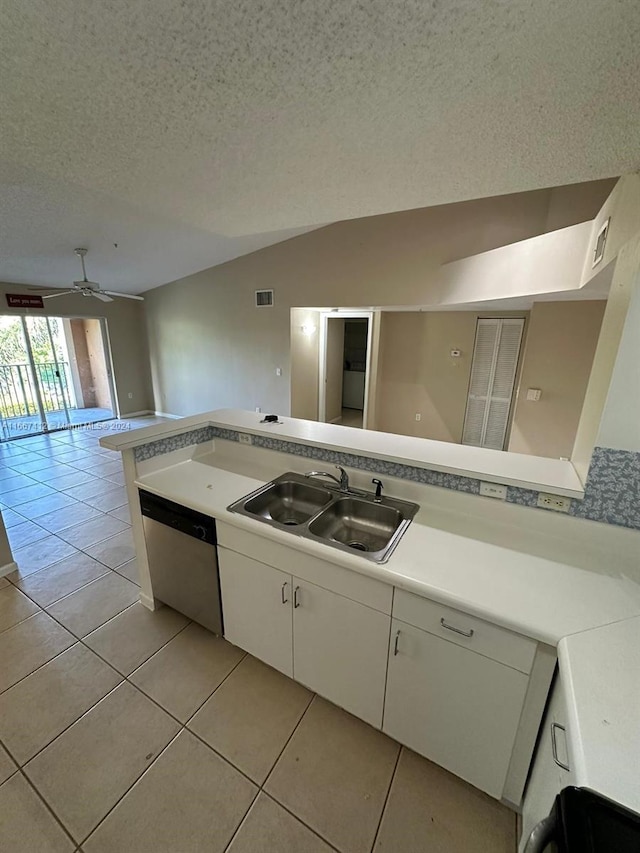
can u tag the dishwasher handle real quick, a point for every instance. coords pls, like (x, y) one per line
(542, 834)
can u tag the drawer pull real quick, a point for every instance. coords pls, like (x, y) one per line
(554, 746)
(446, 625)
(296, 597)
(285, 600)
(395, 643)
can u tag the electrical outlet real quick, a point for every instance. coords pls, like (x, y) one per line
(558, 503)
(418, 416)
(258, 409)
(493, 490)
(245, 438)
(278, 371)
(130, 395)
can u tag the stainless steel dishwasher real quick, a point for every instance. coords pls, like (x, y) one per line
(183, 561)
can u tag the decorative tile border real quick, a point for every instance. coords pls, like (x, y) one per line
(612, 491)
(177, 442)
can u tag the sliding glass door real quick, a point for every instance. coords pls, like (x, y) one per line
(54, 373)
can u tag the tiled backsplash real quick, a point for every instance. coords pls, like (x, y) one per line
(612, 491)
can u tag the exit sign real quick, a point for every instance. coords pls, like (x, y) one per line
(16, 300)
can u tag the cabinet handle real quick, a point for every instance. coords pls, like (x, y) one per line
(468, 633)
(395, 643)
(283, 592)
(554, 746)
(296, 597)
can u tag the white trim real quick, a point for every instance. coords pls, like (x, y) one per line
(6, 570)
(167, 415)
(148, 601)
(325, 316)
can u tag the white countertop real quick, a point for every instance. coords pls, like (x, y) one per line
(533, 596)
(515, 469)
(600, 673)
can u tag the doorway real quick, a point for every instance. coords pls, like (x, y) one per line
(55, 373)
(345, 368)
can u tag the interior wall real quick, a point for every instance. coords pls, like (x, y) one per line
(418, 375)
(620, 425)
(305, 325)
(210, 347)
(127, 340)
(558, 357)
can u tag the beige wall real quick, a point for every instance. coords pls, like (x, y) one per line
(127, 340)
(211, 347)
(561, 343)
(304, 363)
(417, 374)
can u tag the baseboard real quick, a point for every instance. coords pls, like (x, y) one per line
(335, 420)
(149, 601)
(6, 570)
(137, 414)
(167, 415)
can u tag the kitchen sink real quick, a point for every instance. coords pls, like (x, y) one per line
(288, 502)
(352, 520)
(359, 524)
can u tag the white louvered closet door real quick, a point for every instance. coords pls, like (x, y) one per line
(493, 373)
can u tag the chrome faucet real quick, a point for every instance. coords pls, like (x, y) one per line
(343, 482)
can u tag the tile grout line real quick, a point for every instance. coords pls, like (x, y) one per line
(386, 799)
(295, 728)
(182, 726)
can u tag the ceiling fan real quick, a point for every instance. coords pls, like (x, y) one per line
(88, 288)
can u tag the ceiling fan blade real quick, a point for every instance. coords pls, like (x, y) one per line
(126, 295)
(58, 293)
(102, 296)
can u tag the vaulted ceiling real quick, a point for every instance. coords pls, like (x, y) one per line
(191, 132)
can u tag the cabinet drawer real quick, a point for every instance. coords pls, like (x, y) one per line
(464, 630)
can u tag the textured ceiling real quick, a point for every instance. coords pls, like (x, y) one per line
(231, 119)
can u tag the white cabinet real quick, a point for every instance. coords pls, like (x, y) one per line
(328, 642)
(256, 609)
(548, 776)
(452, 705)
(457, 689)
(340, 650)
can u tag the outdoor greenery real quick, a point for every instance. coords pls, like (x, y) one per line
(17, 395)
(12, 345)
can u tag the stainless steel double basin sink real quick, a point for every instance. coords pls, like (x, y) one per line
(351, 520)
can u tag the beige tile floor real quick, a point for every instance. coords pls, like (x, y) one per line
(126, 731)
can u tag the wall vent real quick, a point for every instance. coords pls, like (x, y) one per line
(264, 298)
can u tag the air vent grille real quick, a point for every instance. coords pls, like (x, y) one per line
(264, 298)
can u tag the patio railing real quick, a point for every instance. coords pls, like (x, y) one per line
(18, 397)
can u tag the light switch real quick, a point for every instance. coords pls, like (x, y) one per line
(534, 394)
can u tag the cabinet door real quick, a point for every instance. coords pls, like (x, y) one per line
(256, 608)
(340, 650)
(455, 707)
